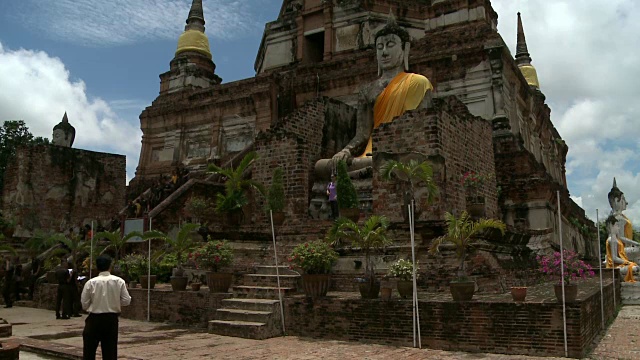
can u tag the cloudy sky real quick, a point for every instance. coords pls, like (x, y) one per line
(100, 60)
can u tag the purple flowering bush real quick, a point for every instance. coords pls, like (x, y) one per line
(574, 268)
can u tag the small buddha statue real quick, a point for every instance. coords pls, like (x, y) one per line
(619, 245)
(394, 92)
(63, 133)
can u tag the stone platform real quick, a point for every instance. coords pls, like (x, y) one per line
(488, 323)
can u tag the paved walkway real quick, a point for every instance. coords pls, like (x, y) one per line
(141, 340)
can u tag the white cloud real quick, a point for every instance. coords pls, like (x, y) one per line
(588, 68)
(115, 22)
(37, 88)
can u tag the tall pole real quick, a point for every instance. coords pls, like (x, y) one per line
(415, 286)
(275, 254)
(600, 263)
(564, 305)
(91, 253)
(149, 278)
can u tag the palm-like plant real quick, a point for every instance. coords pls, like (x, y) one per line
(462, 232)
(236, 185)
(180, 245)
(411, 174)
(116, 241)
(372, 236)
(73, 244)
(8, 248)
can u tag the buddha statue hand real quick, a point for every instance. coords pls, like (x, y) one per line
(343, 154)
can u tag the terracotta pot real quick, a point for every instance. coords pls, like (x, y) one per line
(179, 283)
(352, 214)
(369, 290)
(219, 282)
(278, 218)
(147, 283)
(462, 290)
(519, 293)
(405, 288)
(385, 293)
(315, 285)
(570, 292)
(195, 286)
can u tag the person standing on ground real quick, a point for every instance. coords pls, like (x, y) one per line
(332, 192)
(63, 296)
(9, 271)
(103, 297)
(35, 274)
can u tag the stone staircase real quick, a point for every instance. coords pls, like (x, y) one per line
(254, 310)
(630, 293)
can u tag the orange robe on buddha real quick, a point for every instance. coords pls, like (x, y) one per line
(628, 233)
(404, 92)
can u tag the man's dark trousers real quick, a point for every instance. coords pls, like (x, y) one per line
(103, 329)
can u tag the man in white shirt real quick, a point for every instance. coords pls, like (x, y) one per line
(102, 297)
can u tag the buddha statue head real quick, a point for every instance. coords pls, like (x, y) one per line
(63, 133)
(392, 46)
(617, 200)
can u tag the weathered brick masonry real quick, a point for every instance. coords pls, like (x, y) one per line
(54, 188)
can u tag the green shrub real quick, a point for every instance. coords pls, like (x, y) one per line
(213, 255)
(275, 196)
(403, 270)
(347, 194)
(315, 257)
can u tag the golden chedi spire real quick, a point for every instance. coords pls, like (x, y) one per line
(193, 39)
(523, 60)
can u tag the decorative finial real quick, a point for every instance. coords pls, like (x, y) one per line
(195, 21)
(392, 17)
(65, 119)
(614, 183)
(522, 53)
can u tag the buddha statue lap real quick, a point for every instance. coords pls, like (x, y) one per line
(619, 245)
(394, 92)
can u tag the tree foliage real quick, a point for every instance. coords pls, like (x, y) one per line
(13, 134)
(347, 194)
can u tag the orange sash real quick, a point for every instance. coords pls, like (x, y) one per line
(404, 92)
(622, 255)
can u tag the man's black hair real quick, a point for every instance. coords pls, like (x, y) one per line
(103, 262)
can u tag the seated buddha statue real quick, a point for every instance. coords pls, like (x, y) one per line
(619, 245)
(394, 92)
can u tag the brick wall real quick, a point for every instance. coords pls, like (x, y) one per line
(485, 324)
(53, 188)
(188, 308)
(295, 143)
(452, 140)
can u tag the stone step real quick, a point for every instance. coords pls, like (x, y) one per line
(244, 315)
(261, 292)
(251, 304)
(271, 270)
(293, 281)
(243, 329)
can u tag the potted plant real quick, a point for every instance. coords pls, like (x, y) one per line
(348, 203)
(275, 197)
(179, 245)
(519, 291)
(234, 197)
(369, 238)
(133, 266)
(473, 183)
(315, 259)
(574, 269)
(462, 233)
(403, 271)
(116, 241)
(201, 210)
(196, 283)
(213, 256)
(411, 174)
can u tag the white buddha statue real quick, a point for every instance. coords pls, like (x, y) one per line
(620, 246)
